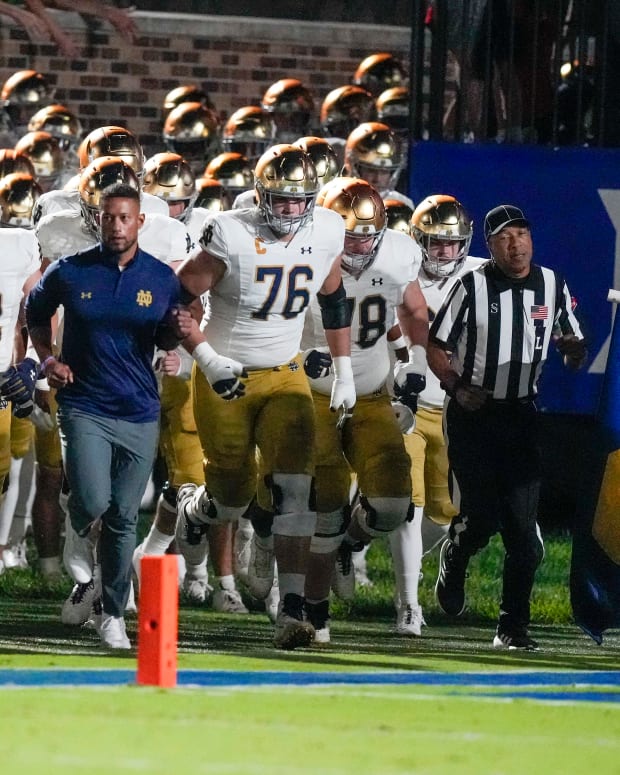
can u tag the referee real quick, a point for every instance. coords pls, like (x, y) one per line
(487, 345)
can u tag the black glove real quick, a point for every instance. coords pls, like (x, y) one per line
(17, 386)
(317, 364)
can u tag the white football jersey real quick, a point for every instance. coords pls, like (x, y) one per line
(393, 194)
(65, 233)
(195, 222)
(20, 258)
(435, 291)
(257, 309)
(58, 200)
(373, 299)
(244, 199)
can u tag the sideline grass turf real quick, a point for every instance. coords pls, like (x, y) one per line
(452, 728)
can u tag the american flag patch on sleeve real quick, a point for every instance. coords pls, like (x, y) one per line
(539, 312)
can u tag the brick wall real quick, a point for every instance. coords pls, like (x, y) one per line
(234, 58)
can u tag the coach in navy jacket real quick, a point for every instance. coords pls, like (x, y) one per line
(119, 303)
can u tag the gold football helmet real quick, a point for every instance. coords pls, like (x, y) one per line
(23, 94)
(374, 153)
(111, 141)
(191, 130)
(379, 72)
(211, 195)
(285, 172)
(232, 170)
(19, 193)
(441, 217)
(11, 161)
(323, 157)
(393, 108)
(250, 131)
(169, 177)
(365, 222)
(186, 93)
(59, 121)
(344, 108)
(340, 180)
(101, 173)
(291, 105)
(45, 154)
(398, 215)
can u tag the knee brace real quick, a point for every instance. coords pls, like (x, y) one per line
(205, 508)
(220, 513)
(290, 492)
(379, 516)
(328, 532)
(291, 495)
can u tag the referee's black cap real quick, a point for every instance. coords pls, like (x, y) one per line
(500, 217)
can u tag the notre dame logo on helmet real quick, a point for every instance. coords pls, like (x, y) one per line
(144, 298)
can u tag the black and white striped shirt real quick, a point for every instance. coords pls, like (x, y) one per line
(498, 329)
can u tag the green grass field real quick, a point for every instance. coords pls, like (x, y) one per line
(443, 721)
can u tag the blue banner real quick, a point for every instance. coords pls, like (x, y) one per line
(595, 561)
(572, 198)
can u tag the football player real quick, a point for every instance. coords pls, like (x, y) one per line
(379, 269)
(291, 106)
(168, 176)
(443, 230)
(20, 271)
(342, 110)
(23, 93)
(374, 153)
(261, 266)
(103, 141)
(250, 130)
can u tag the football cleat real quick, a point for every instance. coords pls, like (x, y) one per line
(228, 601)
(191, 536)
(409, 620)
(318, 616)
(513, 640)
(291, 630)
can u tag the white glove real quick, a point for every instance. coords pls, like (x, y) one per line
(42, 420)
(222, 373)
(343, 389)
(404, 417)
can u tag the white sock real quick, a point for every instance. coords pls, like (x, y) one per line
(406, 548)
(19, 525)
(226, 582)
(292, 583)
(156, 542)
(9, 501)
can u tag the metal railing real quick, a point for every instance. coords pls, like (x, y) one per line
(535, 71)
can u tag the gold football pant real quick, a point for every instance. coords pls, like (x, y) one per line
(429, 466)
(276, 415)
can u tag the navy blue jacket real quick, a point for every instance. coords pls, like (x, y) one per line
(110, 319)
